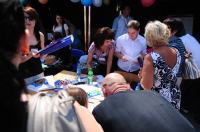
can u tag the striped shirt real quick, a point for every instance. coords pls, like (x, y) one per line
(100, 56)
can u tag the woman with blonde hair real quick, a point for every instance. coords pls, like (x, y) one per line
(161, 66)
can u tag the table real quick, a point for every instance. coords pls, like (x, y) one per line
(93, 101)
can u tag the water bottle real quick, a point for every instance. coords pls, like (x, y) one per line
(78, 72)
(138, 87)
(90, 76)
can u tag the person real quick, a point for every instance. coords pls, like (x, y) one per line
(58, 60)
(130, 47)
(120, 22)
(32, 70)
(13, 51)
(175, 41)
(125, 110)
(103, 47)
(189, 93)
(191, 44)
(60, 26)
(78, 94)
(162, 65)
(60, 112)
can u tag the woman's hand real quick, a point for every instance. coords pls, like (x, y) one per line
(124, 58)
(140, 74)
(26, 57)
(35, 55)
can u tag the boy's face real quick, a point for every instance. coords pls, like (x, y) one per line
(133, 33)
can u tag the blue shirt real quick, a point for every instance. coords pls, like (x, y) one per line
(177, 43)
(120, 25)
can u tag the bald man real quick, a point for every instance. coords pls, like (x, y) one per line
(114, 83)
(125, 110)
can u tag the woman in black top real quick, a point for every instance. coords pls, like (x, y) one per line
(32, 69)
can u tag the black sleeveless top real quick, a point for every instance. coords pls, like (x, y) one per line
(31, 67)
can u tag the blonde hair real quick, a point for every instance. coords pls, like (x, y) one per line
(156, 34)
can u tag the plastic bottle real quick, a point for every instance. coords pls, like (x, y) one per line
(78, 72)
(138, 87)
(90, 76)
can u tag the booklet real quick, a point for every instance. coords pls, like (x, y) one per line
(59, 44)
(44, 83)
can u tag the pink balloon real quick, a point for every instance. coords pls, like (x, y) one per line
(147, 3)
(43, 1)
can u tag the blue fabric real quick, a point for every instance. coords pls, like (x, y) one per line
(178, 44)
(77, 52)
(53, 47)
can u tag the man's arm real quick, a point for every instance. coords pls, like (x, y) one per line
(118, 53)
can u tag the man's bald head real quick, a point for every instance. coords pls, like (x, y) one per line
(113, 83)
(114, 77)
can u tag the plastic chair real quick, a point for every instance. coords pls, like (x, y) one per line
(76, 54)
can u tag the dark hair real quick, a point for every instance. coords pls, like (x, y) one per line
(134, 24)
(56, 24)
(12, 27)
(175, 24)
(101, 35)
(63, 22)
(34, 15)
(79, 95)
(124, 5)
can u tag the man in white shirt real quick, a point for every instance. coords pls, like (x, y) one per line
(120, 22)
(130, 47)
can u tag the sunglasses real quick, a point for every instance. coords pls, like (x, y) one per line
(29, 18)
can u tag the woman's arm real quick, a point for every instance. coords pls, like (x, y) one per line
(109, 61)
(66, 28)
(41, 40)
(147, 73)
(41, 45)
(89, 59)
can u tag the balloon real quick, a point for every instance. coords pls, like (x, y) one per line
(97, 3)
(43, 1)
(147, 3)
(86, 2)
(75, 1)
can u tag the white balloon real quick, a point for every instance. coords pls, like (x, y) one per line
(75, 1)
(97, 3)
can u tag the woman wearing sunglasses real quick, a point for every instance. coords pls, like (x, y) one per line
(32, 70)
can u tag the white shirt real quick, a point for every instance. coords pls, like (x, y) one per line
(193, 46)
(132, 49)
(120, 25)
(59, 28)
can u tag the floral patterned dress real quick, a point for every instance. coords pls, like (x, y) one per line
(165, 79)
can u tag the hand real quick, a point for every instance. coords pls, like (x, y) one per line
(124, 58)
(35, 55)
(140, 74)
(24, 58)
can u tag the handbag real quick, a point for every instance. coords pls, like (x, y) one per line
(190, 70)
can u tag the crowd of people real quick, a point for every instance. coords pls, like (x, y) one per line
(157, 107)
